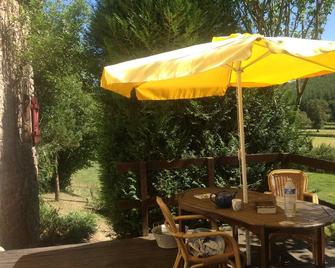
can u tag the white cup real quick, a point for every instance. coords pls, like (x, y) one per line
(236, 204)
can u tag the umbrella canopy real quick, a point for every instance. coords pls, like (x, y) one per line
(209, 69)
(238, 60)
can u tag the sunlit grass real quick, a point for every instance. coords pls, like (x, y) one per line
(317, 141)
(86, 182)
(323, 184)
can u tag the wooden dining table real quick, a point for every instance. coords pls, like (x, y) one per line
(309, 219)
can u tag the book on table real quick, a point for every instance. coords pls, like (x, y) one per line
(266, 207)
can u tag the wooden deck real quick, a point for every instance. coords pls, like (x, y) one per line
(132, 253)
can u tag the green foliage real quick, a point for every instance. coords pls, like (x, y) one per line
(320, 88)
(318, 111)
(271, 124)
(304, 120)
(320, 91)
(325, 152)
(58, 230)
(186, 129)
(332, 108)
(67, 108)
(330, 232)
(122, 30)
(159, 130)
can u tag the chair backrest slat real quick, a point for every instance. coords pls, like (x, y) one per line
(277, 179)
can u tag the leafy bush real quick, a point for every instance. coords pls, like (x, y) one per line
(72, 228)
(330, 232)
(325, 152)
(304, 120)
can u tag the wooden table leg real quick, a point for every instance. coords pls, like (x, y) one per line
(235, 232)
(264, 238)
(180, 222)
(320, 248)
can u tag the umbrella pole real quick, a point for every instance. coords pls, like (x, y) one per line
(241, 134)
(242, 152)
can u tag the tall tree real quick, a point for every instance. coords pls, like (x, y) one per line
(122, 30)
(298, 18)
(318, 111)
(19, 211)
(68, 108)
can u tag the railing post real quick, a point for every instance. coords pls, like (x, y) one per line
(210, 171)
(285, 163)
(144, 197)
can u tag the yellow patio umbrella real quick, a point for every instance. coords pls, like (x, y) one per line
(238, 60)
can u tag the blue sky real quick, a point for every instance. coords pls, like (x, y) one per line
(329, 33)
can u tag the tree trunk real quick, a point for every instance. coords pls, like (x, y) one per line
(57, 188)
(300, 87)
(19, 205)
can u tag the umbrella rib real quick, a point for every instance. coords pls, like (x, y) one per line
(267, 53)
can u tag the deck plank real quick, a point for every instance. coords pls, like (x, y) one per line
(140, 253)
(128, 253)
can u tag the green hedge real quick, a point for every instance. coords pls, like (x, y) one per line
(187, 129)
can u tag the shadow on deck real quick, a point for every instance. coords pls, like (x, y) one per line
(133, 253)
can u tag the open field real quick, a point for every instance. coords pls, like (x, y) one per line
(86, 183)
(317, 141)
(323, 184)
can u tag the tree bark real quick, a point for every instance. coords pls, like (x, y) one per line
(57, 187)
(19, 204)
(300, 89)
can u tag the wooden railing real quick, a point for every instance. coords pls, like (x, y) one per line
(142, 168)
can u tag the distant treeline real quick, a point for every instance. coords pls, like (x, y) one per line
(318, 101)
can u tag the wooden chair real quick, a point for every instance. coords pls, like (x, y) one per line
(276, 181)
(230, 256)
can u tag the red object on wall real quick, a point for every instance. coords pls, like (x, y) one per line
(36, 133)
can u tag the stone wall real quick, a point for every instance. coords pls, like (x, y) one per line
(19, 206)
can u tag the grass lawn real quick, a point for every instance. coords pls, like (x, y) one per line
(85, 182)
(82, 194)
(317, 141)
(323, 184)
